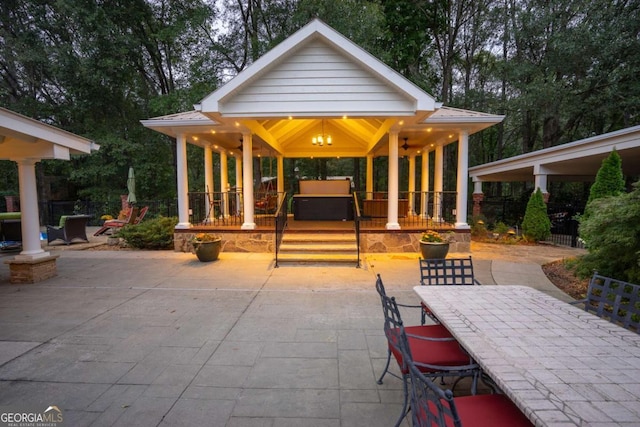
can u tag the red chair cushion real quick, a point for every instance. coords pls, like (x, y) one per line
(489, 410)
(439, 353)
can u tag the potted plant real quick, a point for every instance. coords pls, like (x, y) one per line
(434, 245)
(206, 246)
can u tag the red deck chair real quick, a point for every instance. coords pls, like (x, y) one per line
(119, 223)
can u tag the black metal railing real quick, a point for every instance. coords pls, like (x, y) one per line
(280, 219)
(416, 209)
(565, 233)
(50, 211)
(356, 219)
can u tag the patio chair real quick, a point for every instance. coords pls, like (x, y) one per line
(267, 204)
(434, 331)
(431, 406)
(133, 219)
(613, 300)
(436, 356)
(74, 229)
(449, 271)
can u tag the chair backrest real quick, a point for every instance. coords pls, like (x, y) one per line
(449, 271)
(141, 215)
(614, 300)
(430, 405)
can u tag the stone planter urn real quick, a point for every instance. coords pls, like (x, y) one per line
(207, 251)
(434, 250)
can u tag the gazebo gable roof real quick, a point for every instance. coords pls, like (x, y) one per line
(317, 72)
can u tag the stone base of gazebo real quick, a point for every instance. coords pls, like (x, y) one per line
(390, 241)
(32, 270)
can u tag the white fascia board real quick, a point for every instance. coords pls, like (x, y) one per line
(317, 28)
(44, 132)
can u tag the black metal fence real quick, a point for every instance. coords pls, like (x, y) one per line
(52, 210)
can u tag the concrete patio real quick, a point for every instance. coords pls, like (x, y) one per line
(159, 339)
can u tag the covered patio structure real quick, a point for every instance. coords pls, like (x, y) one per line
(27, 141)
(319, 95)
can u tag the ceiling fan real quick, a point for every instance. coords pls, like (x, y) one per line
(405, 145)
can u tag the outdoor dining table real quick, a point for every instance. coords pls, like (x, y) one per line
(559, 364)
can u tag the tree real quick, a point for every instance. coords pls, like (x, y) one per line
(609, 179)
(536, 225)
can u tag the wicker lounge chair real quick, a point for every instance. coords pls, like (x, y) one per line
(73, 230)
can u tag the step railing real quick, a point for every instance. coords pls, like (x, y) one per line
(280, 220)
(356, 221)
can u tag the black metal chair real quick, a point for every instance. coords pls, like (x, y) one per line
(613, 300)
(434, 407)
(444, 272)
(433, 349)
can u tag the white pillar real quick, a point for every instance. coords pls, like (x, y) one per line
(238, 185)
(208, 182)
(280, 177)
(412, 184)
(29, 217)
(424, 185)
(369, 184)
(247, 176)
(540, 178)
(224, 184)
(462, 180)
(183, 182)
(392, 202)
(437, 184)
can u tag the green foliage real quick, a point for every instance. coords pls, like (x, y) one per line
(501, 228)
(478, 226)
(609, 180)
(536, 225)
(612, 231)
(155, 233)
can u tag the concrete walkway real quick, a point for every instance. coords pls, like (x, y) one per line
(140, 338)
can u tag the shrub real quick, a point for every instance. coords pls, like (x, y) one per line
(613, 232)
(155, 233)
(536, 225)
(478, 227)
(609, 180)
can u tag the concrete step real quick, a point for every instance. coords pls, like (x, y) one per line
(318, 237)
(310, 258)
(318, 248)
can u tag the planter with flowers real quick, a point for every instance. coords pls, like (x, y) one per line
(206, 246)
(434, 245)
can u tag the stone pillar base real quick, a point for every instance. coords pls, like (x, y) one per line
(32, 271)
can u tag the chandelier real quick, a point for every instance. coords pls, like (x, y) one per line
(321, 138)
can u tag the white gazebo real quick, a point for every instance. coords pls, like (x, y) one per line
(27, 141)
(319, 83)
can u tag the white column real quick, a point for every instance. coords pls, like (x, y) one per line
(29, 217)
(208, 181)
(462, 180)
(224, 183)
(247, 176)
(183, 182)
(412, 184)
(238, 185)
(369, 184)
(280, 177)
(540, 178)
(392, 202)
(424, 185)
(437, 184)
